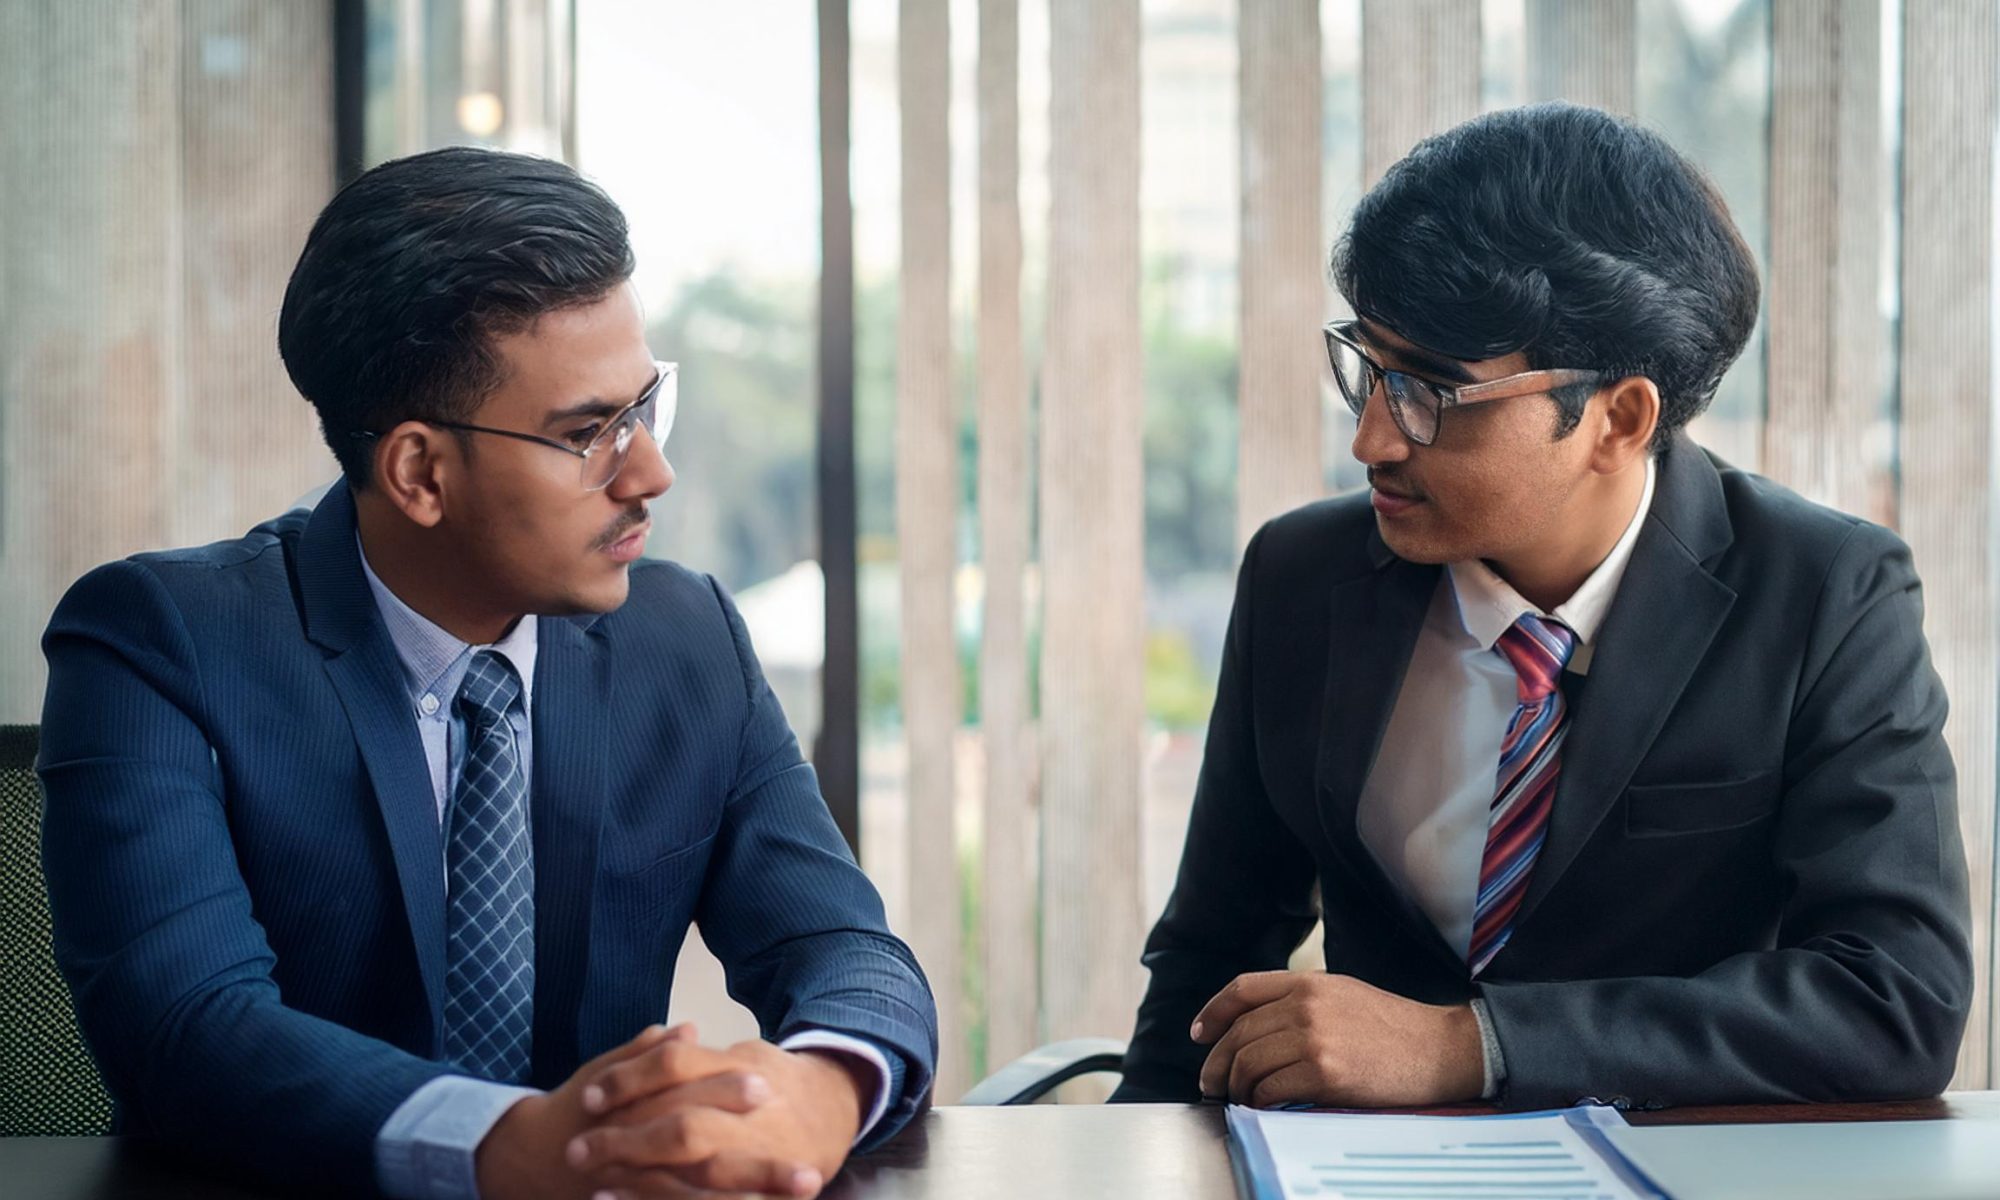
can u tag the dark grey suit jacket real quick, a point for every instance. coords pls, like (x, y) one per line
(1753, 887)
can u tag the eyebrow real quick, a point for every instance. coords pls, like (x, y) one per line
(1422, 361)
(593, 407)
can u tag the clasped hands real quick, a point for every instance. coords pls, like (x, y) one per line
(663, 1115)
(1280, 1037)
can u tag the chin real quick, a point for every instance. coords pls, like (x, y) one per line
(599, 596)
(608, 595)
(1413, 546)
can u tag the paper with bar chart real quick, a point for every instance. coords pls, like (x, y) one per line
(1353, 1156)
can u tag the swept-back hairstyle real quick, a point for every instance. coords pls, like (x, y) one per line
(414, 268)
(1566, 233)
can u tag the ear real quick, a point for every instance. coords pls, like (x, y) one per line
(412, 463)
(1630, 412)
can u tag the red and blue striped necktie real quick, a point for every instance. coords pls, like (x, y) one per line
(1530, 758)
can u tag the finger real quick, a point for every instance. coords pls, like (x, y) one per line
(644, 1040)
(655, 1183)
(621, 1184)
(1221, 1057)
(675, 1139)
(1260, 1022)
(1263, 1058)
(1239, 996)
(756, 1174)
(735, 1091)
(668, 1064)
(1299, 1082)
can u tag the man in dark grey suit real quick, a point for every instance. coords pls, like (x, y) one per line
(1612, 770)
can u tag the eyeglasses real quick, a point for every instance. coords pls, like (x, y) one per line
(603, 448)
(1418, 404)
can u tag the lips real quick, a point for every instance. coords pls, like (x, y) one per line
(628, 548)
(1390, 504)
(1389, 500)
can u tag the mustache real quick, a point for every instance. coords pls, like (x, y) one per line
(627, 521)
(1390, 482)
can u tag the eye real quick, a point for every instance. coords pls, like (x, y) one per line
(581, 438)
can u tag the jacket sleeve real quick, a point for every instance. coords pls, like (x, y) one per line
(799, 929)
(1244, 897)
(1866, 993)
(154, 928)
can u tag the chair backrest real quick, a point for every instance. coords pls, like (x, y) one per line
(48, 1084)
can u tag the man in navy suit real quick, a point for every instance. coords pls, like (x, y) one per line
(372, 835)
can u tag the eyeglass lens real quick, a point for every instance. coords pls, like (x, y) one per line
(1412, 403)
(655, 414)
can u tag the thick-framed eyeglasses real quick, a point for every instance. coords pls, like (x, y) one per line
(1417, 404)
(605, 446)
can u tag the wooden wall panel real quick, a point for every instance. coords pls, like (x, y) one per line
(1584, 51)
(258, 77)
(1283, 261)
(1419, 75)
(1950, 68)
(166, 160)
(1091, 526)
(1011, 957)
(1825, 359)
(927, 517)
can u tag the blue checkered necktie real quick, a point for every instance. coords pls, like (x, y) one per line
(490, 911)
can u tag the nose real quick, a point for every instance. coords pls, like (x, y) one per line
(646, 474)
(1377, 440)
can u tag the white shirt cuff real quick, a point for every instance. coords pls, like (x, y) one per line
(1493, 1064)
(826, 1039)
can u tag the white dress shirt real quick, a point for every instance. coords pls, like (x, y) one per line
(1423, 810)
(424, 1151)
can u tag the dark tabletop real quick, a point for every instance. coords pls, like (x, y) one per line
(1170, 1152)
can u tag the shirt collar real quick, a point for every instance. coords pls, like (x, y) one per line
(1488, 605)
(434, 661)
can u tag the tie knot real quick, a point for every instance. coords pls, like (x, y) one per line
(1538, 650)
(489, 690)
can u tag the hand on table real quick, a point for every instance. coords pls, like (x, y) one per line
(1286, 1036)
(664, 1116)
(805, 1110)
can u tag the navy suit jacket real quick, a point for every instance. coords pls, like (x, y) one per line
(246, 873)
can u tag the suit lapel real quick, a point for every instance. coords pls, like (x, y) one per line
(341, 617)
(573, 713)
(1667, 611)
(1372, 627)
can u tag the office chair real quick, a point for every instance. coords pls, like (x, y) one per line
(48, 1084)
(1041, 1070)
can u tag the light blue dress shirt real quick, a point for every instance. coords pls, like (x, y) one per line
(425, 1150)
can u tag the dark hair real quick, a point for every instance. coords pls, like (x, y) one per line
(1569, 234)
(414, 268)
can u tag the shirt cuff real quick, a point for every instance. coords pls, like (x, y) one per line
(868, 1052)
(425, 1149)
(1493, 1062)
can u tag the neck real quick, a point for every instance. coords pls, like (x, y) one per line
(1594, 518)
(419, 566)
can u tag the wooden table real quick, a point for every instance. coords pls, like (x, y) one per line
(1171, 1152)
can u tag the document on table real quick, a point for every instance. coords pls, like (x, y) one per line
(1836, 1160)
(1560, 1155)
